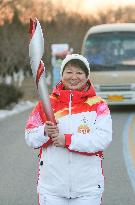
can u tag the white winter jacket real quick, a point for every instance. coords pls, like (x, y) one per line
(84, 119)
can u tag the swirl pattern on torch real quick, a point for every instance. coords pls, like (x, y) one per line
(36, 50)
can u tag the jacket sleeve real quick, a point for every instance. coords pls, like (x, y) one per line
(99, 137)
(34, 132)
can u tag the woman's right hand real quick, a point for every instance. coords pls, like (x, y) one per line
(51, 128)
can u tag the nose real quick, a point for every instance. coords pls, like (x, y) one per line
(74, 76)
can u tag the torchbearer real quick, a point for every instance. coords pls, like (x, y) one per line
(36, 50)
(70, 165)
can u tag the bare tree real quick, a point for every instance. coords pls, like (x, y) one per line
(58, 27)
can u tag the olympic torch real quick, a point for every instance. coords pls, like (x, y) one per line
(36, 50)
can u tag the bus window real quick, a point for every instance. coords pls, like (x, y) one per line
(110, 48)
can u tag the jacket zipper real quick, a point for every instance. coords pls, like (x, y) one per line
(70, 154)
(70, 103)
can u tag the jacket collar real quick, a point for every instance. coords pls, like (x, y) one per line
(77, 96)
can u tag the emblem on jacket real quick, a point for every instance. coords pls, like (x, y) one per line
(83, 128)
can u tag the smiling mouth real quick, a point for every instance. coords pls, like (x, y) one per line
(74, 83)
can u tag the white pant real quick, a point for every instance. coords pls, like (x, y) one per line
(54, 200)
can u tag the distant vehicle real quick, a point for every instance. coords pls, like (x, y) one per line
(110, 50)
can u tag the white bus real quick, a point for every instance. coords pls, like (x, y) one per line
(110, 50)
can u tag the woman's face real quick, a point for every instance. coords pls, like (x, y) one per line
(73, 77)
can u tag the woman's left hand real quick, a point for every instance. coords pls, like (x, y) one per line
(58, 140)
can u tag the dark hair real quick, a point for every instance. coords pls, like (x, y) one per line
(77, 63)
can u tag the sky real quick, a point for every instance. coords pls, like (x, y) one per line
(91, 5)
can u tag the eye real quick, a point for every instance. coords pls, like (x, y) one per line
(80, 73)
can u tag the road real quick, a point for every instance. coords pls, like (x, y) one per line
(18, 163)
(118, 188)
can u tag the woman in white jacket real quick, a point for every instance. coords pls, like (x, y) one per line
(70, 167)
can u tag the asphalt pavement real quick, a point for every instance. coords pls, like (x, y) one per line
(18, 163)
(118, 188)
